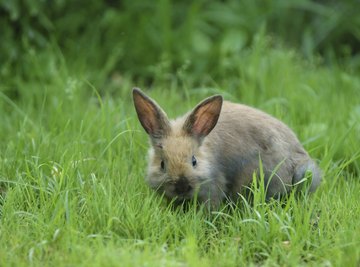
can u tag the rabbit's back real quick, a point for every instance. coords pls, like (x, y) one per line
(243, 136)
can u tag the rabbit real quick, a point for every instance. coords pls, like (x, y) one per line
(213, 151)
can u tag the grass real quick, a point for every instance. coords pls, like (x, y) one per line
(73, 158)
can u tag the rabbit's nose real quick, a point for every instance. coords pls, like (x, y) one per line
(182, 186)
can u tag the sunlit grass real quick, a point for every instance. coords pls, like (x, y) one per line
(73, 160)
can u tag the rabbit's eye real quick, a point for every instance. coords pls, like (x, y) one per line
(162, 165)
(194, 162)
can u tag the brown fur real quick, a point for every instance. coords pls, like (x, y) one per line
(227, 141)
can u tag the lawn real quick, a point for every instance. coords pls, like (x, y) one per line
(73, 154)
(73, 161)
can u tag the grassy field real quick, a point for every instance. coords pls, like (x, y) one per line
(73, 159)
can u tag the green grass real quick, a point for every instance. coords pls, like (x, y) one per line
(72, 164)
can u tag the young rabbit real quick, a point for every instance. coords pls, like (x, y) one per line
(214, 150)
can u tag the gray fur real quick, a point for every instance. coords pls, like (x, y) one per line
(227, 154)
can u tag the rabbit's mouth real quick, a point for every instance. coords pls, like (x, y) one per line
(178, 191)
(184, 196)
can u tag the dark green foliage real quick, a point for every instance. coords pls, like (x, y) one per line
(146, 37)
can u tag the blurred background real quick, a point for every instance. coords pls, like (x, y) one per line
(145, 40)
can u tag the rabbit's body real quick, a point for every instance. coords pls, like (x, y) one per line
(227, 150)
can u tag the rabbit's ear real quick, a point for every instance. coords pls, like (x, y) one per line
(151, 116)
(204, 117)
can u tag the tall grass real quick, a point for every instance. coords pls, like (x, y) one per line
(73, 158)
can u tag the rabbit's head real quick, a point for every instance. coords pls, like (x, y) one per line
(178, 163)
